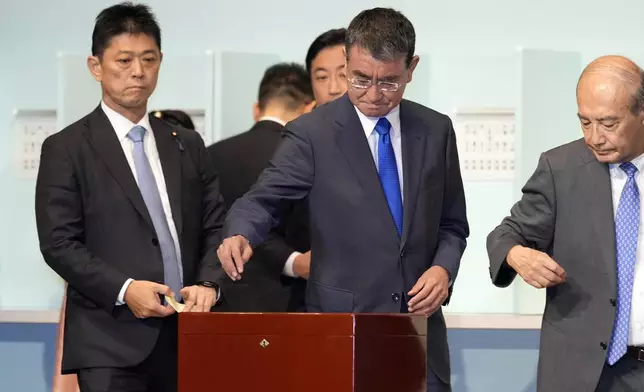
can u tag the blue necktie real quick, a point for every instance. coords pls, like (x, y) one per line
(388, 173)
(627, 222)
(152, 199)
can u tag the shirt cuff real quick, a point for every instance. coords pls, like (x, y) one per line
(288, 266)
(121, 298)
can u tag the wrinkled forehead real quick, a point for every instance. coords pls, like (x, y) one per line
(362, 63)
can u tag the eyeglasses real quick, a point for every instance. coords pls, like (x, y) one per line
(364, 83)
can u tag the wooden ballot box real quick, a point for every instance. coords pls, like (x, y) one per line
(303, 352)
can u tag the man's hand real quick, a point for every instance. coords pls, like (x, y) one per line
(142, 297)
(429, 292)
(233, 253)
(302, 265)
(536, 268)
(198, 298)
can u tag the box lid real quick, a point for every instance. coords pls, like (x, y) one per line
(316, 324)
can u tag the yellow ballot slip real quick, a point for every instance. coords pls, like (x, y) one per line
(175, 305)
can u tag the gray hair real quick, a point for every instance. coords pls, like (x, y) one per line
(637, 102)
(384, 32)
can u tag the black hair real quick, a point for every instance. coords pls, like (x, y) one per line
(288, 82)
(175, 117)
(384, 32)
(123, 18)
(325, 40)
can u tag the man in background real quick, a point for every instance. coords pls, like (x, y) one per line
(326, 63)
(175, 117)
(385, 195)
(128, 211)
(274, 280)
(577, 231)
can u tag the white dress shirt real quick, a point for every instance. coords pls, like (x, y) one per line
(395, 135)
(273, 119)
(288, 266)
(617, 181)
(122, 126)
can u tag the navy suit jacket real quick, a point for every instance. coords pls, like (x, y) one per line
(359, 263)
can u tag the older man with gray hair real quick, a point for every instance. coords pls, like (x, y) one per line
(577, 232)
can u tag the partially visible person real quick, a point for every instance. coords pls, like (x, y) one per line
(62, 382)
(577, 232)
(128, 211)
(175, 117)
(273, 280)
(326, 63)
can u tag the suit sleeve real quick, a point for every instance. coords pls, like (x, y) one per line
(288, 178)
(454, 229)
(213, 213)
(531, 224)
(275, 251)
(60, 223)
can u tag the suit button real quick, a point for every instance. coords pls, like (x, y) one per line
(603, 345)
(613, 302)
(395, 297)
(155, 242)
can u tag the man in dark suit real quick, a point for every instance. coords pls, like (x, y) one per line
(385, 195)
(273, 281)
(128, 211)
(577, 232)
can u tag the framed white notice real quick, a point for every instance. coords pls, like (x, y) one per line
(30, 129)
(486, 141)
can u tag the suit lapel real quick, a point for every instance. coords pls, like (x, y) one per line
(350, 138)
(168, 145)
(102, 137)
(603, 218)
(413, 154)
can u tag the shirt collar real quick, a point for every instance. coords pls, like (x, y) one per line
(121, 124)
(273, 119)
(615, 171)
(369, 123)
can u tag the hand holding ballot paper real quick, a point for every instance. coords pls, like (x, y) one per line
(142, 297)
(178, 307)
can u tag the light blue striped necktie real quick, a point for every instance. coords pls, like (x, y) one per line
(627, 222)
(152, 199)
(388, 173)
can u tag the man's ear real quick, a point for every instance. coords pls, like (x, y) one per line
(412, 67)
(309, 108)
(257, 112)
(94, 66)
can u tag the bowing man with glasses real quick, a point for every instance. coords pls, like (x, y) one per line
(382, 180)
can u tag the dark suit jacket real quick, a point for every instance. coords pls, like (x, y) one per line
(359, 264)
(239, 160)
(567, 212)
(95, 232)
